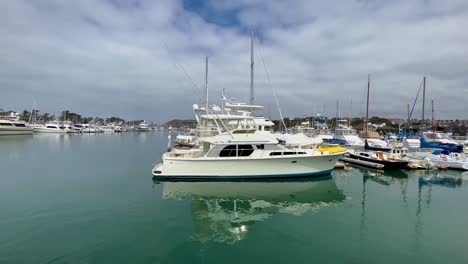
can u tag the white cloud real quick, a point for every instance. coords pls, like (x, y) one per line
(108, 57)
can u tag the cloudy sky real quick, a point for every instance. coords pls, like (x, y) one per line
(120, 57)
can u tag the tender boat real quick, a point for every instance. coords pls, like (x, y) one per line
(12, 125)
(375, 157)
(243, 154)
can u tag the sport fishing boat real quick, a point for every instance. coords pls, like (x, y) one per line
(53, 127)
(243, 154)
(12, 125)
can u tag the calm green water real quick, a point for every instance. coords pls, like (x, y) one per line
(91, 199)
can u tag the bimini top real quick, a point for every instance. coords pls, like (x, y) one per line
(249, 138)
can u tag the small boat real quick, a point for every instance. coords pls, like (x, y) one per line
(375, 157)
(12, 125)
(443, 158)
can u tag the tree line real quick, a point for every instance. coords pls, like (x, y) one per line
(39, 117)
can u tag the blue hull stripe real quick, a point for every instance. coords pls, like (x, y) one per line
(264, 176)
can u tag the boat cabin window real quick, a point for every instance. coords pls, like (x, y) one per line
(51, 127)
(236, 151)
(244, 150)
(261, 146)
(228, 151)
(284, 153)
(5, 124)
(20, 125)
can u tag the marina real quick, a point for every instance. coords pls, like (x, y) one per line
(116, 214)
(233, 132)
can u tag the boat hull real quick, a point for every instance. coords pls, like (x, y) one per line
(229, 168)
(16, 131)
(437, 145)
(388, 164)
(48, 130)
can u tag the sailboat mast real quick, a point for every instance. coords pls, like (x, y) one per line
(433, 120)
(206, 84)
(251, 101)
(408, 114)
(367, 105)
(423, 105)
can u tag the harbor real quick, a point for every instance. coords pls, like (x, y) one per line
(233, 132)
(90, 198)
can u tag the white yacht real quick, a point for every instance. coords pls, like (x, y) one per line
(53, 127)
(78, 128)
(70, 127)
(107, 129)
(12, 125)
(246, 154)
(87, 128)
(143, 127)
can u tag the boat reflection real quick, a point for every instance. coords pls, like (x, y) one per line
(224, 212)
(449, 178)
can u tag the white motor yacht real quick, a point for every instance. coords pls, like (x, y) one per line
(107, 129)
(53, 127)
(245, 154)
(143, 127)
(12, 125)
(87, 128)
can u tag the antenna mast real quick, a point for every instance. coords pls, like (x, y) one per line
(367, 105)
(206, 84)
(433, 120)
(251, 101)
(424, 103)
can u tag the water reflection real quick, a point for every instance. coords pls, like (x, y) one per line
(225, 211)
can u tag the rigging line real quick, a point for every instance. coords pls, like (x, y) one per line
(274, 90)
(412, 109)
(194, 85)
(194, 88)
